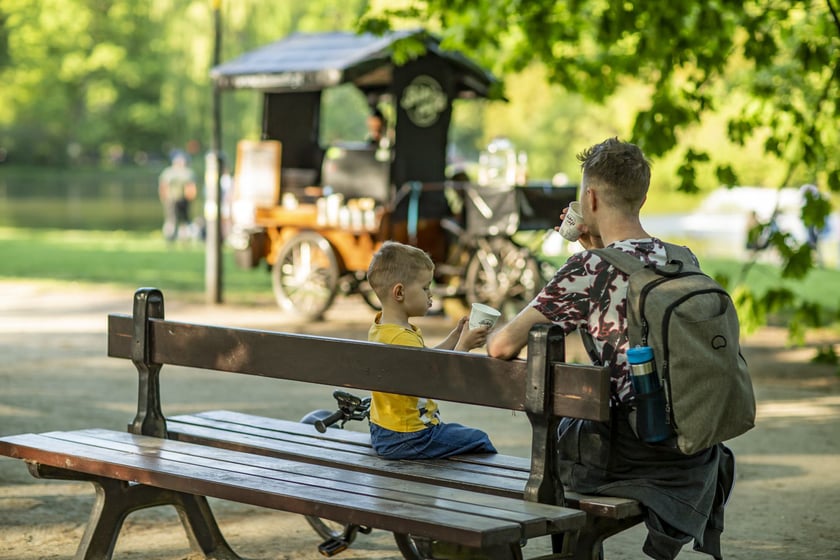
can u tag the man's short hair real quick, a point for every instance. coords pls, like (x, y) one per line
(396, 263)
(620, 168)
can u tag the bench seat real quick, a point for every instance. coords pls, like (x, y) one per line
(490, 502)
(502, 475)
(473, 519)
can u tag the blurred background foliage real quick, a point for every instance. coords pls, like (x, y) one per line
(718, 93)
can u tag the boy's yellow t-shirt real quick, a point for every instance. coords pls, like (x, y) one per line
(400, 413)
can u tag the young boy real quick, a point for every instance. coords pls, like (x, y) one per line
(406, 427)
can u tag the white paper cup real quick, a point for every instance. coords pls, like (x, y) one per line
(483, 316)
(568, 229)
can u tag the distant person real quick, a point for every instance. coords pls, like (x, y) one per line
(758, 232)
(376, 128)
(177, 189)
(404, 426)
(810, 192)
(226, 182)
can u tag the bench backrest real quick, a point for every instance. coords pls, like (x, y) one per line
(543, 386)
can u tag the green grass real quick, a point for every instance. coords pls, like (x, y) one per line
(134, 259)
(124, 259)
(821, 286)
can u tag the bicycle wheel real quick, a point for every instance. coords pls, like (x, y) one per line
(305, 276)
(327, 529)
(422, 548)
(503, 275)
(413, 548)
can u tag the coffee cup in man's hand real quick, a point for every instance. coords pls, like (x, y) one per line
(569, 229)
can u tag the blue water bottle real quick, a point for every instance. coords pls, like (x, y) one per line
(651, 423)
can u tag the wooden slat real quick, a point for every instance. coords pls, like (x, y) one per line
(227, 425)
(240, 421)
(405, 470)
(480, 380)
(507, 475)
(581, 391)
(534, 520)
(305, 489)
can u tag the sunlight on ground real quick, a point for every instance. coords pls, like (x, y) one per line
(6, 410)
(813, 407)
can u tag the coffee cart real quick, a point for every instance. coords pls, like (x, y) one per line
(315, 214)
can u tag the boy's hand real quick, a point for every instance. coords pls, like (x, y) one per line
(452, 338)
(470, 338)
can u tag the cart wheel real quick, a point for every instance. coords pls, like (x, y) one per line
(503, 275)
(369, 296)
(305, 276)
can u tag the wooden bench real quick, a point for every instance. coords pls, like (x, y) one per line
(491, 503)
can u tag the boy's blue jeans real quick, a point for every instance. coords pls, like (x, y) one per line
(434, 442)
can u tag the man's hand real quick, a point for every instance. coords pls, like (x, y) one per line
(586, 239)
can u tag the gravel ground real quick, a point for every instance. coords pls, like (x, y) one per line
(54, 375)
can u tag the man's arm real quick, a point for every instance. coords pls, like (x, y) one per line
(507, 342)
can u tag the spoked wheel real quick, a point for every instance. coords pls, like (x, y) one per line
(337, 536)
(503, 275)
(305, 276)
(413, 548)
(368, 295)
(422, 548)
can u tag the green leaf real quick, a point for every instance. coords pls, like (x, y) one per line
(726, 175)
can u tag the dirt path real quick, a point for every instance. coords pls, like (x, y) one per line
(54, 375)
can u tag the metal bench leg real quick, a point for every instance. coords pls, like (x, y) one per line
(589, 543)
(202, 530)
(116, 499)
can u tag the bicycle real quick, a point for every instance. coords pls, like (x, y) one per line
(339, 536)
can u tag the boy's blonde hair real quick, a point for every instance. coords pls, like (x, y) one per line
(396, 262)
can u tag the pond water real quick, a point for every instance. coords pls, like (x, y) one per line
(107, 200)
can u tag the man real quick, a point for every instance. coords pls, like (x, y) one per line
(177, 189)
(376, 127)
(683, 495)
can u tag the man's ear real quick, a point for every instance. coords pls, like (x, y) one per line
(398, 292)
(593, 198)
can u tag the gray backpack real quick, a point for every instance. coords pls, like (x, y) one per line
(690, 322)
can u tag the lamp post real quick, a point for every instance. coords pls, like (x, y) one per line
(213, 181)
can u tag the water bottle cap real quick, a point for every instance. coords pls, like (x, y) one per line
(639, 354)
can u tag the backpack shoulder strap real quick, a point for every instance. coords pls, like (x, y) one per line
(678, 253)
(625, 262)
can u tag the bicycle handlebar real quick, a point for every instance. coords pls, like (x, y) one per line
(322, 425)
(350, 407)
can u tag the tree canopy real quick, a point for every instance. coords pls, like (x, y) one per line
(771, 66)
(782, 55)
(101, 80)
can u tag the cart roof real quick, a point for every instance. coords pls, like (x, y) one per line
(314, 61)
